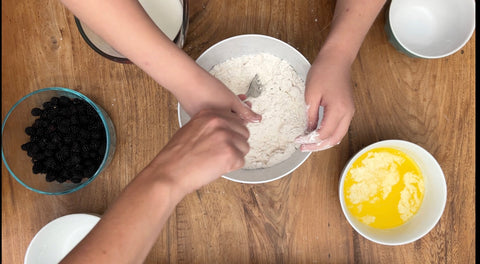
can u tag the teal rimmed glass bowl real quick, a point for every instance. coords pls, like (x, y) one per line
(19, 164)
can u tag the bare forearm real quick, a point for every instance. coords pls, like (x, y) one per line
(126, 26)
(128, 230)
(351, 21)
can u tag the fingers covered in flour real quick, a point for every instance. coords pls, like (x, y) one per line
(330, 133)
(245, 112)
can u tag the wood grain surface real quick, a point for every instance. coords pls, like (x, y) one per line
(296, 219)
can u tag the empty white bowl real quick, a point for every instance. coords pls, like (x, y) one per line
(430, 28)
(430, 211)
(252, 44)
(56, 239)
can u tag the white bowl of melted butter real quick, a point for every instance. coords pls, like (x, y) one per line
(393, 192)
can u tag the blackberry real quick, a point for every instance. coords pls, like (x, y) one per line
(91, 111)
(51, 176)
(56, 139)
(51, 114)
(76, 147)
(51, 146)
(62, 155)
(64, 101)
(64, 126)
(85, 155)
(36, 111)
(50, 163)
(26, 146)
(75, 159)
(73, 109)
(83, 120)
(29, 131)
(67, 139)
(85, 148)
(34, 148)
(56, 120)
(64, 112)
(41, 132)
(74, 120)
(40, 123)
(78, 167)
(92, 169)
(34, 138)
(83, 133)
(94, 126)
(87, 173)
(75, 130)
(61, 179)
(88, 162)
(47, 105)
(43, 144)
(39, 156)
(97, 135)
(64, 174)
(38, 167)
(76, 179)
(94, 145)
(55, 100)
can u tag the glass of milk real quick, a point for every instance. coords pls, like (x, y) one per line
(171, 16)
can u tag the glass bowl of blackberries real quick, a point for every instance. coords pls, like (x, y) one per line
(56, 141)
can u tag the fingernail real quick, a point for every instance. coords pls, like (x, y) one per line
(327, 146)
(255, 118)
(315, 147)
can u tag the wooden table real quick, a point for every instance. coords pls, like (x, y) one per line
(296, 219)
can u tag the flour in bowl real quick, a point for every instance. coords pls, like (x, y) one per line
(281, 104)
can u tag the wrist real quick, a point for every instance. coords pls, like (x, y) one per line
(334, 57)
(338, 53)
(162, 184)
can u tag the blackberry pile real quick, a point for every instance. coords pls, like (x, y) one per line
(67, 140)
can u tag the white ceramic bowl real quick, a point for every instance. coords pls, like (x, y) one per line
(430, 28)
(252, 44)
(56, 239)
(430, 211)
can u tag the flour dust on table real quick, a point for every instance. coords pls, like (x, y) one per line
(281, 104)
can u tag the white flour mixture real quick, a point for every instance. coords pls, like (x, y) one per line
(281, 104)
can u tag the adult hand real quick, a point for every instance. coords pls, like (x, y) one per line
(209, 92)
(210, 144)
(329, 85)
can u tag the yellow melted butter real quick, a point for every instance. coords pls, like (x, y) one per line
(384, 188)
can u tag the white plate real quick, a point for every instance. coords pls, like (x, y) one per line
(56, 239)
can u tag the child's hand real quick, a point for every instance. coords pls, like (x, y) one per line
(329, 85)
